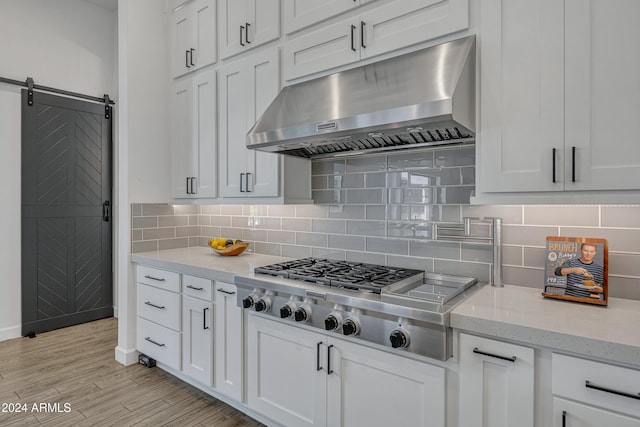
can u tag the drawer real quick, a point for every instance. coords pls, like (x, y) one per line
(158, 342)
(159, 306)
(197, 287)
(168, 280)
(597, 383)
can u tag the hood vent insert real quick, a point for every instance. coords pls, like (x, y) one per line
(419, 99)
(376, 141)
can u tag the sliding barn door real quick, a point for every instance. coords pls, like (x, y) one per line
(66, 223)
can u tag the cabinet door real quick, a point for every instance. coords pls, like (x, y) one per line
(495, 390)
(205, 134)
(567, 413)
(184, 151)
(264, 84)
(404, 22)
(299, 14)
(373, 388)
(286, 376)
(232, 123)
(228, 342)
(602, 94)
(263, 17)
(205, 42)
(197, 340)
(194, 136)
(193, 37)
(321, 50)
(232, 23)
(521, 118)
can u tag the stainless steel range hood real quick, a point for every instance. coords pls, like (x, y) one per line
(419, 99)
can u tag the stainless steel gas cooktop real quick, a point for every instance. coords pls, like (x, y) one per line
(402, 308)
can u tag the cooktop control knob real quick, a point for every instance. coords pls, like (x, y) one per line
(301, 314)
(248, 302)
(351, 327)
(399, 338)
(332, 322)
(263, 304)
(286, 311)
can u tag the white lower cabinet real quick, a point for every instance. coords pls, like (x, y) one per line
(158, 311)
(197, 339)
(298, 377)
(228, 342)
(588, 393)
(496, 383)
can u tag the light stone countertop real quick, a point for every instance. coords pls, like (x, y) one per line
(513, 312)
(203, 262)
(521, 314)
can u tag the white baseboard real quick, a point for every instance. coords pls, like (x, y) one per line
(126, 357)
(10, 333)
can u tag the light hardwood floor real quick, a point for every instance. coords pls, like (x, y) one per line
(76, 366)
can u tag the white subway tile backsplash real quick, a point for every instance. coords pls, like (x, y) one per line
(296, 224)
(334, 226)
(365, 196)
(387, 246)
(574, 216)
(311, 239)
(340, 241)
(366, 163)
(382, 212)
(620, 216)
(366, 257)
(366, 228)
(413, 159)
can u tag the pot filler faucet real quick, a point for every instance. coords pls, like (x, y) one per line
(495, 239)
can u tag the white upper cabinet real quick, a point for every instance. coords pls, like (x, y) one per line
(602, 94)
(558, 96)
(194, 133)
(390, 26)
(299, 14)
(193, 37)
(245, 24)
(247, 87)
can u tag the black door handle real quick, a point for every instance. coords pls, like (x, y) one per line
(105, 211)
(246, 182)
(329, 370)
(353, 28)
(318, 367)
(191, 52)
(362, 24)
(246, 33)
(204, 318)
(573, 164)
(186, 59)
(553, 165)
(241, 177)
(241, 31)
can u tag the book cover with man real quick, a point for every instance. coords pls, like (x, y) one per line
(576, 269)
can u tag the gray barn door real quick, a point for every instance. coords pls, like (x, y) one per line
(66, 223)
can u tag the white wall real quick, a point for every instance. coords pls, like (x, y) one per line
(67, 44)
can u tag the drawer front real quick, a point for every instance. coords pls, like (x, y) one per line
(567, 413)
(197, 287)
(596, 383)
(159, 306)
(159, 342)
(168, 280)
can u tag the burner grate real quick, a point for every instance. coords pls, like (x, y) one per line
(340, 274)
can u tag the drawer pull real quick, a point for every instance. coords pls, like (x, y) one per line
(154, 278)
(153, 342)
(155, 306)
(564, 418)
(226, 292)
(589, 384)
(194, 288)
(497, 356)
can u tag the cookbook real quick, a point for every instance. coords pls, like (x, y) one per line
(576, 269)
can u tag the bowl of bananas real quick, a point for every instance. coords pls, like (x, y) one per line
(227, 247)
